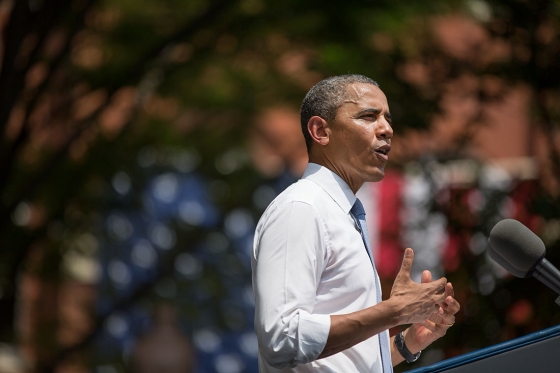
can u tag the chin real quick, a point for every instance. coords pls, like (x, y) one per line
(377, 175)
(379, 178)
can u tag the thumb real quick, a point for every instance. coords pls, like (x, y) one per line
(406, 265)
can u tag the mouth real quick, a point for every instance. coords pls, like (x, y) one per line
(383, 151)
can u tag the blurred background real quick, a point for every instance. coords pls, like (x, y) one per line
(141, 140)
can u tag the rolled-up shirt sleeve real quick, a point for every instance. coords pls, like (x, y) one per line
(289, 255)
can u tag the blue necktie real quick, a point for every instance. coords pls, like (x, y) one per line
(360, 215)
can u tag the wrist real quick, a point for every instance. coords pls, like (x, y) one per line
(411, 341)
(404, 349)
(394, 312)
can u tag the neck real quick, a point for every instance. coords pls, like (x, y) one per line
(325, 161)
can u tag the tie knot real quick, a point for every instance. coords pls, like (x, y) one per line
(358, 209)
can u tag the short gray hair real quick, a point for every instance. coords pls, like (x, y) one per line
(324, 99)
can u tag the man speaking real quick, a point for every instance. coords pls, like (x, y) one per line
(317, 293)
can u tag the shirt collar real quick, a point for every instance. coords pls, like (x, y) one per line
(331, 183)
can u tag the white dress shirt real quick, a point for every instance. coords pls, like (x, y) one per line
(309, 262)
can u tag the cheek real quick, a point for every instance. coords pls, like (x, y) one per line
(364, 141)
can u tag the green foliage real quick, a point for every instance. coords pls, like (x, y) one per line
(193, 75)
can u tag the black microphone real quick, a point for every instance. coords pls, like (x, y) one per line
(521, 252)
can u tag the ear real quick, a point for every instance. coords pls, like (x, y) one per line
(319, 130)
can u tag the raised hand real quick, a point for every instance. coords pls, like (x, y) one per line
(417, 303)
(435, 327)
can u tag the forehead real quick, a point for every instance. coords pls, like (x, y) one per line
(363, 94)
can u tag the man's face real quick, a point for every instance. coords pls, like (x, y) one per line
(361, 134)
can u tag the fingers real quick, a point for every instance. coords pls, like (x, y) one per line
(440, 319)
(446, 318)
(406, 265)
(438, 328)
(426, 276)
(425, 301)
(452, 305)
(449, 290)
(430, 325)
(440, 286)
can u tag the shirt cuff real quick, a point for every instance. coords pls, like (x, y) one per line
(313, 334)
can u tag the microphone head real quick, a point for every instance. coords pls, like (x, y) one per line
(515, 247)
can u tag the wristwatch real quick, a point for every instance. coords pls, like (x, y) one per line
(403, 350)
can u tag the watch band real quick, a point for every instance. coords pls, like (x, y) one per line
(403, 350)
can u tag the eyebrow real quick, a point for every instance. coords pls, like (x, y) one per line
(388, 115)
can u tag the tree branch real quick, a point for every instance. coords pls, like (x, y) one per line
(28, 190)
(7, 159)
(13, 73)
(203, 20)
(15, 32)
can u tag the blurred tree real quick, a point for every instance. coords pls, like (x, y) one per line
(472, 65)
(87, 86)
(63, 118)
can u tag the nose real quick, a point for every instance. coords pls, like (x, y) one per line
(384, 129)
